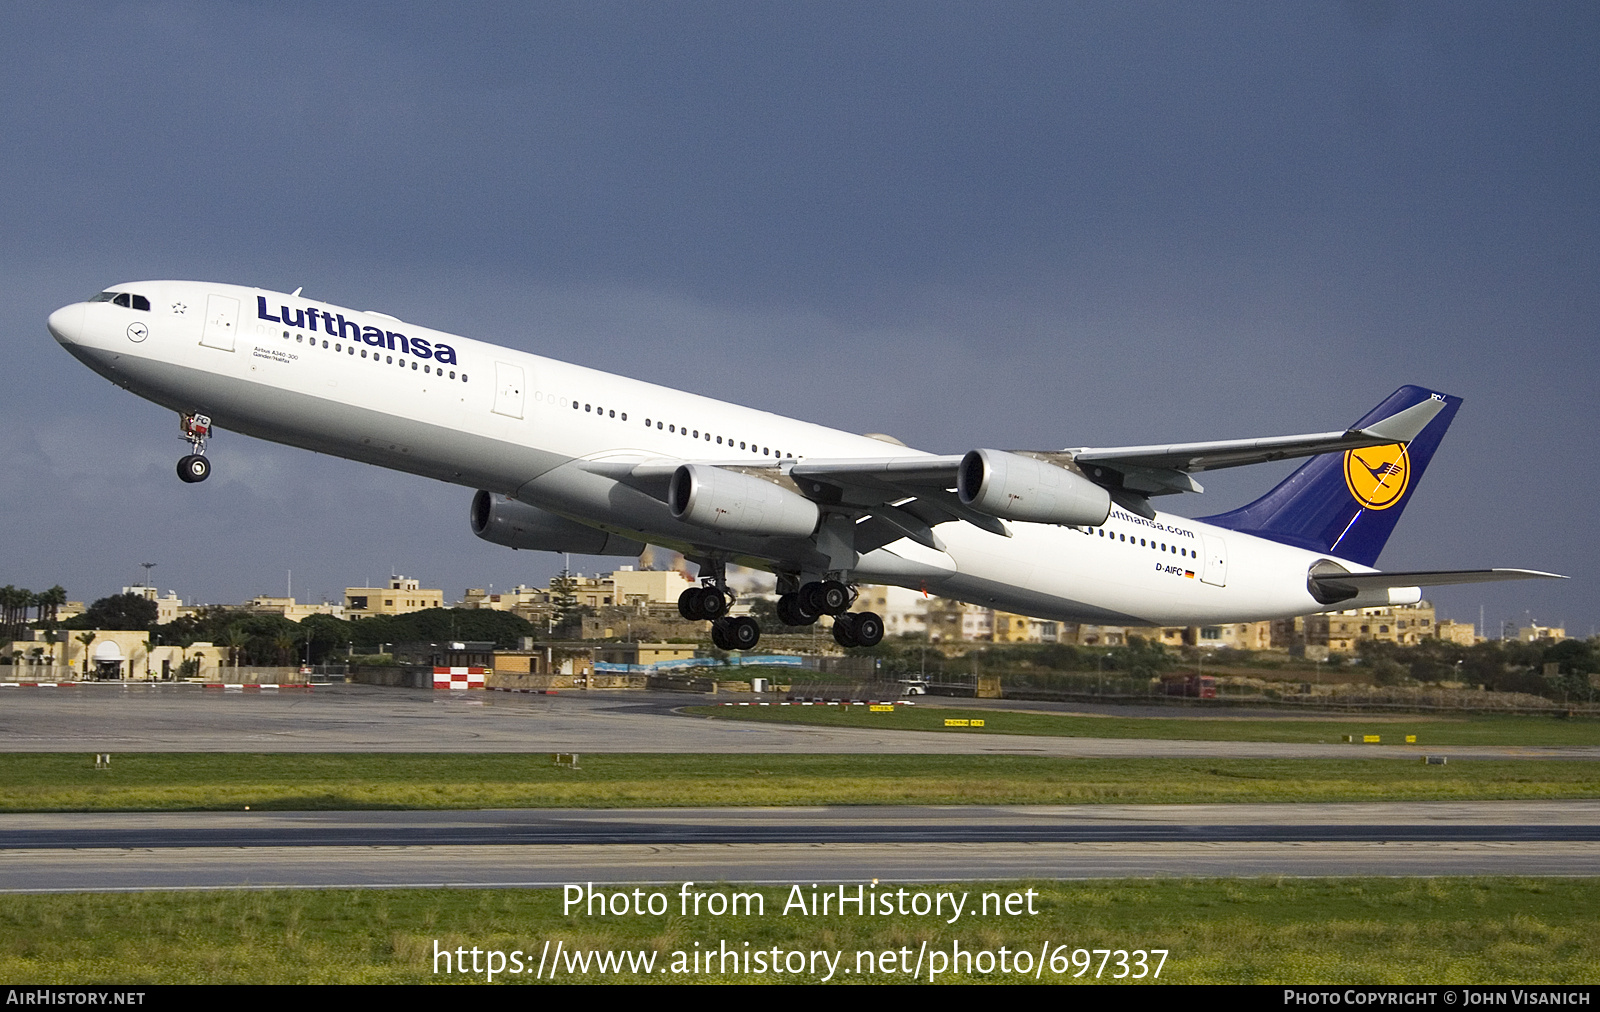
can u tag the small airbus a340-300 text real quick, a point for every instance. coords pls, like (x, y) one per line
(568, 459)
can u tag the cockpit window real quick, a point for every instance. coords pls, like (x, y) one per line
(127, 300)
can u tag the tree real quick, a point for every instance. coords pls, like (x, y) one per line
(1387, 671)
(14, 605)
(325, 635)
(283, 645)
(120, 611)
(235, 639)
(50, 602)
(86, 638)
(563, 595)
(52, 637)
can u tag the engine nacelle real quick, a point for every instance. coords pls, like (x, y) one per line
(518, 525)
(733, 501)
(1014, 487)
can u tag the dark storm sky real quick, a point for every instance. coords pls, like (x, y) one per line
(968, 225)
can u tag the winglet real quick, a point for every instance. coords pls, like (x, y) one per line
(1404, 426)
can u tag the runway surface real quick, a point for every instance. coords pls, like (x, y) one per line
(490, 867)
(547, 848)
(543, 848)
(172, 718)
(1575, 821)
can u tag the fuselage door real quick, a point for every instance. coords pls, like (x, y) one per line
(508, 387)
(1215, 571)
(222, 321)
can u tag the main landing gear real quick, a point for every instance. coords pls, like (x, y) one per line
(831, 597)
(711, 600)
(195, 467)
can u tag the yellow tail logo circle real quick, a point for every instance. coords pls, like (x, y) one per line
(1377, 475)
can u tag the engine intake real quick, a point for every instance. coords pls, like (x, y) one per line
(724, 500)
(1028, 490)
(517, 525)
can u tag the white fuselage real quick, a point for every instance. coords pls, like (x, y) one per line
(372, 388)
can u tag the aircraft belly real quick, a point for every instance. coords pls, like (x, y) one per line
(1065, 574)
(335, 427)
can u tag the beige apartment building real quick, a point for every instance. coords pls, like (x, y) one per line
(291, 609)
(401, 596)
(1541, 633)
(510, 600)
(1340, 631)
(1463, 634)
(622, 587)
(629, 586)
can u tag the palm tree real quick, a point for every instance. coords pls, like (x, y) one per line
(13, 610)
(52, 600)
(52, 637)
(235, 639)
(284, 643)
(149, 648)
(86, 638)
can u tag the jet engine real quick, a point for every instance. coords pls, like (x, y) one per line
(518, 525)
(736, 502)
(1014, 487)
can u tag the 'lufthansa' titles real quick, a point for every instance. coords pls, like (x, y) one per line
(337, 326)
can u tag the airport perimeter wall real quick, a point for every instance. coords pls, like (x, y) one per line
(226, 675)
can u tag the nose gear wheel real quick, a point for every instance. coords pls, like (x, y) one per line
(195, 467)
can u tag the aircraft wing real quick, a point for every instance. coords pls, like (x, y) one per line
(906, 496)
(910, 494)
(900, 497)
(1158, 470)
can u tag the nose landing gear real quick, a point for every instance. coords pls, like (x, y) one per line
(195, 467)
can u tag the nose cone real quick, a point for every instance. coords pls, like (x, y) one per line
(66, 324)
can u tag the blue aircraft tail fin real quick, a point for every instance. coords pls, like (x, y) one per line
(1346, 504)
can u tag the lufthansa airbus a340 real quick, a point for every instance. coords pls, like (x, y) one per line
(569, 459)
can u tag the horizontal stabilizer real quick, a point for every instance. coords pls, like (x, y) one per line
(1428, 578)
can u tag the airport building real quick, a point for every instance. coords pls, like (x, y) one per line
(111, 654)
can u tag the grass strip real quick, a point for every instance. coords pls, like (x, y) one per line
(40, 782)
(1486, 729)
(1306, 931)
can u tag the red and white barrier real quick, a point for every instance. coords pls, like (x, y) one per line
(458, 678)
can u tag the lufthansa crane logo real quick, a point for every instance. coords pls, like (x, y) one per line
(1377, 475)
